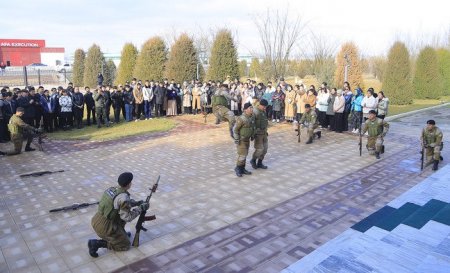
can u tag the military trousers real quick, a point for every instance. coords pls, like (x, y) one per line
(17, 140)
(242, 151)
(311, 130)
(261, 146)
(374, 144)
(112, 232)
(433, 153)
(223, 113)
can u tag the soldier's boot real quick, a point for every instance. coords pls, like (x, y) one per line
(310, 140)
(318, 134)
(377, 155)
(261, 165)
(94, 245)
(2, 153)
(238, 171)
(435, 165)
(244, 171)
(441, 158)
(254, 165)
(29, 149)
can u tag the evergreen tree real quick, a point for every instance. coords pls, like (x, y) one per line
(397, 78)
(93, 65)
(427, 80)
(444, 69)
(243, 68)
(255, 70)
(348, 55)
(109, 72)
(127, 63)
(223, 61)
(183, 61)
(78, 67)
(151, 61)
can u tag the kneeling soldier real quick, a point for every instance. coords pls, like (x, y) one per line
(114, 210)
(377, 130)
(309, 120)
(432, 140)
(20, 131)
(243, 132)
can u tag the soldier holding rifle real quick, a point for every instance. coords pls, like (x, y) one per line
(432, 144)
(114, 210)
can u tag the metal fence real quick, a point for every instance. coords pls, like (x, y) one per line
(29, 75)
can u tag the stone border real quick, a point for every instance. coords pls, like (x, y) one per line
(392, 118)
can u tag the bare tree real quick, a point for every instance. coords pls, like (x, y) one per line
(322, 52)
(278, 32)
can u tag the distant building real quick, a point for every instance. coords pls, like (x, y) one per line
(20, 52)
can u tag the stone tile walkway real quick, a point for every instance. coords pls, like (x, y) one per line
(206, 216)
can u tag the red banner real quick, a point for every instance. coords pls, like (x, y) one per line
(22, 43)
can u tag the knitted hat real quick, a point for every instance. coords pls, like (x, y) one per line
(125, 179)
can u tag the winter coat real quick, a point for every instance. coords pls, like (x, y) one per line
(383, 106)
(277, 100)
(331, 99)
(66, 104)
(322, 101)
(339, 104)
(369, 103)
(160, 93)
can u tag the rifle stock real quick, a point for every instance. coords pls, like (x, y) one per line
(142, 217)
(299, 133)
(73, 207)
(422, 157)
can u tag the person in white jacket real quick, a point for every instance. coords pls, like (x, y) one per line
(322, 106)
(147, 91)
(338, 108)
(368, 103)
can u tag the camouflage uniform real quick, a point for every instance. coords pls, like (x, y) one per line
(19, 131)
(432, 140)
(309, 120)
(219, 102)
(377, 129)
(114, 210)
(243, 131)
(261, 141)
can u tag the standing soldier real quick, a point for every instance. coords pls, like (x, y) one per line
(309, 120)
(114, 210)
(432, 143)
(261, 142)
(219, 103)
(19, 131)
(377, 130)
(244, 131)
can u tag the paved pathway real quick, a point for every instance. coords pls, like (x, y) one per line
(199, 198)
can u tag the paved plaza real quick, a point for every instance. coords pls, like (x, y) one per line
(208, 220)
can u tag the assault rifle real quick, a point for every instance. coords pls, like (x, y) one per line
(142, 217)
(36, 174)
(40, 135)
(360, 136)
(299, 131)
(422, 157)
(73, 207)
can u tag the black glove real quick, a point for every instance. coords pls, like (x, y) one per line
(252, 138)
(135, 203)
(236, 142)
(144, 206)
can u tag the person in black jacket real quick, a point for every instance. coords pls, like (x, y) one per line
(27, 103)
(99, 79)
(107, 94)
(160, 94)
(128, 100)
(90, 106)
(8, 108)
(78, 107)
(117, 101)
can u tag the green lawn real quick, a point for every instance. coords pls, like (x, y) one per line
(116, 131)
(417, 104)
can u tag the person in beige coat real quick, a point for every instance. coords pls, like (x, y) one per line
(300, 100)
(338, 108)
(196, 102)
(289, 102)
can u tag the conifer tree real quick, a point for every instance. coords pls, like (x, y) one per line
(78, 67)
(349, 55)
(151, 61)
(223, 61)
(183, 61)
(127, 64)
(93, 65)
(427, 82)
(243, 68)
(397, 78)
(444, 69)
(109, 72)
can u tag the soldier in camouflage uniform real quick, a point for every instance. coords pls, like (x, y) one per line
(261, 141)
(432, 141)
(309, 120)
(20, 131)
(114, 210)
(219, 102)
(377, 130)
(243, 131)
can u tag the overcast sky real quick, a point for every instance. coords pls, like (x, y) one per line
(372, 25)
